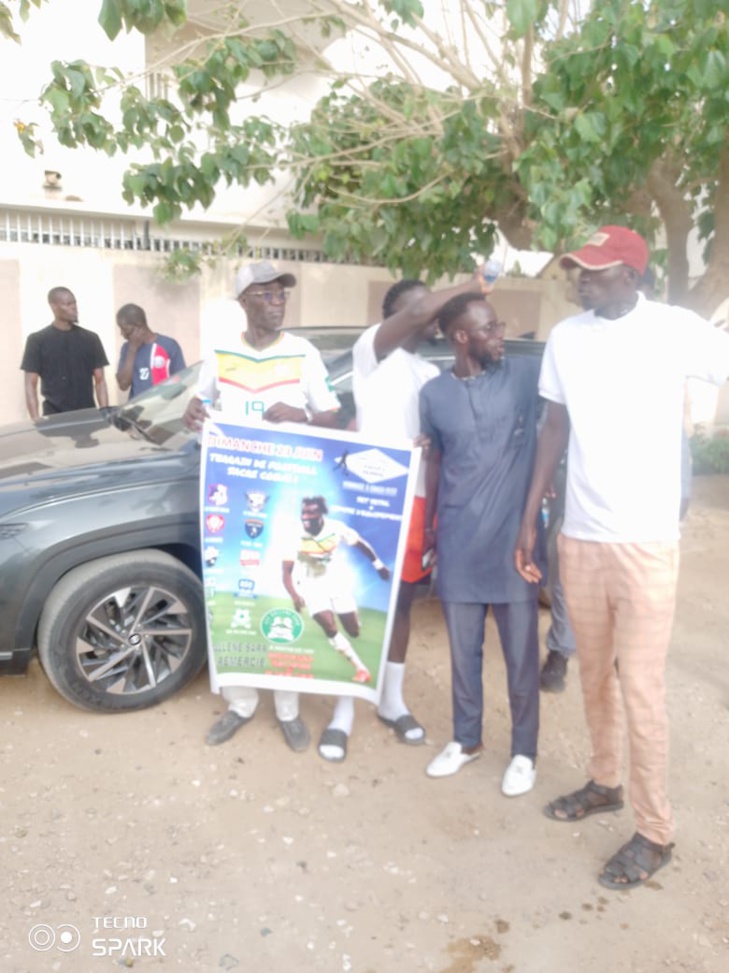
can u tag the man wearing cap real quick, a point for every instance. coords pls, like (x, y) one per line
(278, 377)
(613, 377)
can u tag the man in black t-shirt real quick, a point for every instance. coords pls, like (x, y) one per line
(67, 360)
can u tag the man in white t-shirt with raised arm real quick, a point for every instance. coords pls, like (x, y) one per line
(275, 376)
(613, 378)
(387, 377)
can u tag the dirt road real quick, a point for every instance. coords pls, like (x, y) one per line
(123, 835)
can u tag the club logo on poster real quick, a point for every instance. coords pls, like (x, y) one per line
(301, 593)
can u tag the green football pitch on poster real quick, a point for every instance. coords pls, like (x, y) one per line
(265, 636)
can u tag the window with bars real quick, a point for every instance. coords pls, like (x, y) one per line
(54, 229)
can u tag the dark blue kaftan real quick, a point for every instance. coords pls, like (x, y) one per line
(485, 428)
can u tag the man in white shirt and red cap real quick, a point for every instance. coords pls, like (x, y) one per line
(613, 377)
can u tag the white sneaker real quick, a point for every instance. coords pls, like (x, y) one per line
(450, 760)
(519, 777)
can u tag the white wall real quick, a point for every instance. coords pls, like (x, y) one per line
(64, 30)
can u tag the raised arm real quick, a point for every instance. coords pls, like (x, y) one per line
(134, 342)
(126, 368)
(401, 326)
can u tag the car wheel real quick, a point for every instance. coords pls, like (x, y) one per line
(124, 632)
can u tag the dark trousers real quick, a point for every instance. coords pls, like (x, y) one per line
(517, 626)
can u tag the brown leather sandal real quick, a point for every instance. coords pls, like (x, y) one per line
(591, 799)
(634, 863)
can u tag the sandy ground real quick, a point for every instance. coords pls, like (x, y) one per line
(125, 834)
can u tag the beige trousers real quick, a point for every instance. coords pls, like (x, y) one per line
(621, 600)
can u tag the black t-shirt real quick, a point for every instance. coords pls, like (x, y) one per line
(65, 361)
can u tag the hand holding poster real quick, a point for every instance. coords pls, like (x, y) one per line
(303, 534)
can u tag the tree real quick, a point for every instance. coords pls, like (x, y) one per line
(516, 115)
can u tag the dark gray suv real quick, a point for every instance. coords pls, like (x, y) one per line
(99, 550)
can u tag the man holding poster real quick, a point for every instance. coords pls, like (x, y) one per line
(290, 522)
(278, 377)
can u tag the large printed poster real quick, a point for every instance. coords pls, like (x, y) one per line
(303, 536)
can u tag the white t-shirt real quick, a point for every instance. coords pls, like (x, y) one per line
(622, 382)
(243, 382)
(386, 393)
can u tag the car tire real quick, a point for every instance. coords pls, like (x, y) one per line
(125, 632)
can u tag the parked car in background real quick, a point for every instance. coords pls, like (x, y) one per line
(99, 550)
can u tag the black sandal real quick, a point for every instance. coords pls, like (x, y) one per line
(634, 863)
(591, 799)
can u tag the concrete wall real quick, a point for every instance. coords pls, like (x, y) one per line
(12, 400)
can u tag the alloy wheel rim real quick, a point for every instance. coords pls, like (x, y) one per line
(133, 639)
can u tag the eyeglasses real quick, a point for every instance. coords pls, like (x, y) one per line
(270, 297)
(494, 327)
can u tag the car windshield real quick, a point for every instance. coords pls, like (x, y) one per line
(157, 413)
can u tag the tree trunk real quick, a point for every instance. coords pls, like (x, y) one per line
(713, 288)
(677, 217)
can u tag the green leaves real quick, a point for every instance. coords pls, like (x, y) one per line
(407, 10)
(716, 74)
(416, 178)
(110, 18)
(302, 223)
(73, 98)
(7, 23)
(521, 14)
(590, 126)
(142, 15)
(26, 133)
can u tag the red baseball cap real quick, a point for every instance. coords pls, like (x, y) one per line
(610, 246)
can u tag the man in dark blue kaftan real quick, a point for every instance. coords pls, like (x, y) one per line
(481, 418)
